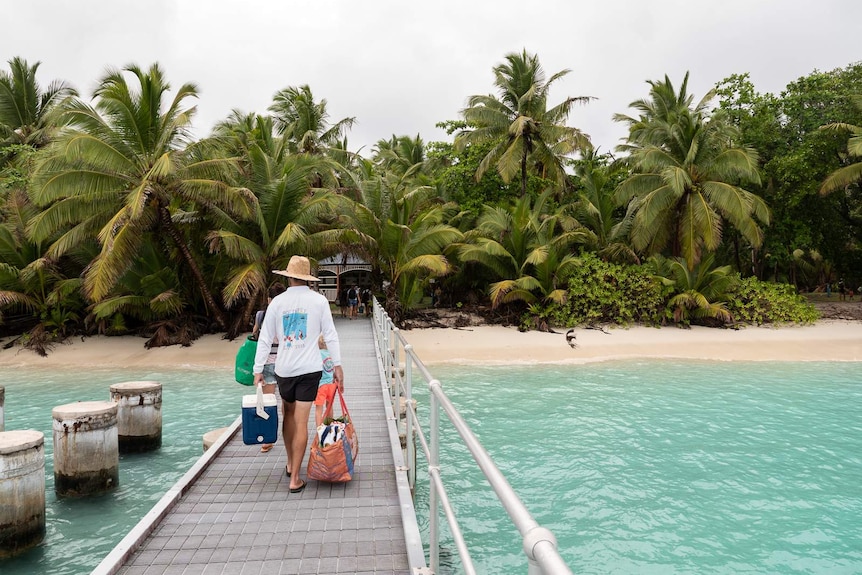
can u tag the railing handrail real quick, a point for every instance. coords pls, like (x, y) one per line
(539, 543)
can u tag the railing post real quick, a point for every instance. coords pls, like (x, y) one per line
(396, 357)
(396, 393)
(378, 317)
(434, 462)
(387, 357)
(408, 391)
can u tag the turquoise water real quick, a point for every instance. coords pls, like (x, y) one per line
(664, 467)
(81, 531)
(637, 467)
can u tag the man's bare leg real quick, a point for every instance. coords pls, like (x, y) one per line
(287, 430)
(300, 410)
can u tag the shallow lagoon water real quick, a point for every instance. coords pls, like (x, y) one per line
(664, 466)
(81, 531)
(637, 467)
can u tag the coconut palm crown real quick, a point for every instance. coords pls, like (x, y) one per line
(29, 114)
(121, 172)
(527, 135)
(851, 173)
(688, 176)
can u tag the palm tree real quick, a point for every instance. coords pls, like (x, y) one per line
(852, 173)
(29, 115)
(122, 171)
(528, 247)
(701, 290)
(305, 122)
(149, 292)
(597, 208)
(17, 290)
(688, 176)
(30, 283)
(398, 226)
(285, 220)
(813, 269)
(405, 156)
(525, 133)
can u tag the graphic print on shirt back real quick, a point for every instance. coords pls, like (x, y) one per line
(295, 326)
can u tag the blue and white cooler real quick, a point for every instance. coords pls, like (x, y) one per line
(259, 418)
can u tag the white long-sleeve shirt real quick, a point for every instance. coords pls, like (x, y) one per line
(296, 319)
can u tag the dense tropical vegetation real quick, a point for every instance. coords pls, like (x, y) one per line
(114, 220)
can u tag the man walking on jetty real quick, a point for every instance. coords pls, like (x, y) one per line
(295, 320)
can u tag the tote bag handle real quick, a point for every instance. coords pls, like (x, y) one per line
(344, 410)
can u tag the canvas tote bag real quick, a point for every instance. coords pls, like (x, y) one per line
(335, 462)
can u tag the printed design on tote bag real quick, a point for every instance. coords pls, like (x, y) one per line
(295, 325)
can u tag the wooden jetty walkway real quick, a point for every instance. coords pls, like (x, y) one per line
(233, 514)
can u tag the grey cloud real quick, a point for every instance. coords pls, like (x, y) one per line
(401, 67)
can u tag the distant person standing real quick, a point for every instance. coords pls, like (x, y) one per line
(353, 300)
(342, 301)
(295, 320)
(366, 301)
(841, 291)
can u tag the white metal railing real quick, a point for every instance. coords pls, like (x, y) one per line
(539, 544)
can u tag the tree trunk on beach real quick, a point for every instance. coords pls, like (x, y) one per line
(173, 232)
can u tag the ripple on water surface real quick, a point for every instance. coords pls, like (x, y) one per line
(665, 467)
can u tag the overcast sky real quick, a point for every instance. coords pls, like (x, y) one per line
(399, 67)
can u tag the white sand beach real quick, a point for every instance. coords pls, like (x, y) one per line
(823, 341)
(827, 340)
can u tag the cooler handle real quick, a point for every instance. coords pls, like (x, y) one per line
(259, 410)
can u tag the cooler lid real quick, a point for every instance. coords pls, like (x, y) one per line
(269, 400)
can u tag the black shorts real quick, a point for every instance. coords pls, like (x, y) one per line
(300, 387)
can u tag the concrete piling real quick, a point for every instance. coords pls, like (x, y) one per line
(139, 415)
(86, 452)
(210, 437)
(22, 491)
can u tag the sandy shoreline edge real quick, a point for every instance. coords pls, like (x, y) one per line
(825, 340)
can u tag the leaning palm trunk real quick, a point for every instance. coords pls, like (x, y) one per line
(393, 305)
(168, 224)
(240, 324)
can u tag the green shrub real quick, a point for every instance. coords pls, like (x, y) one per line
(605, 293)
(602, 292)
(757, 302)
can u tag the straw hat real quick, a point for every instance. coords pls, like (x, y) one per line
(298, 267)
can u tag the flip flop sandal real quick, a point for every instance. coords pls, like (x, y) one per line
(300, 488)
(266, 447)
